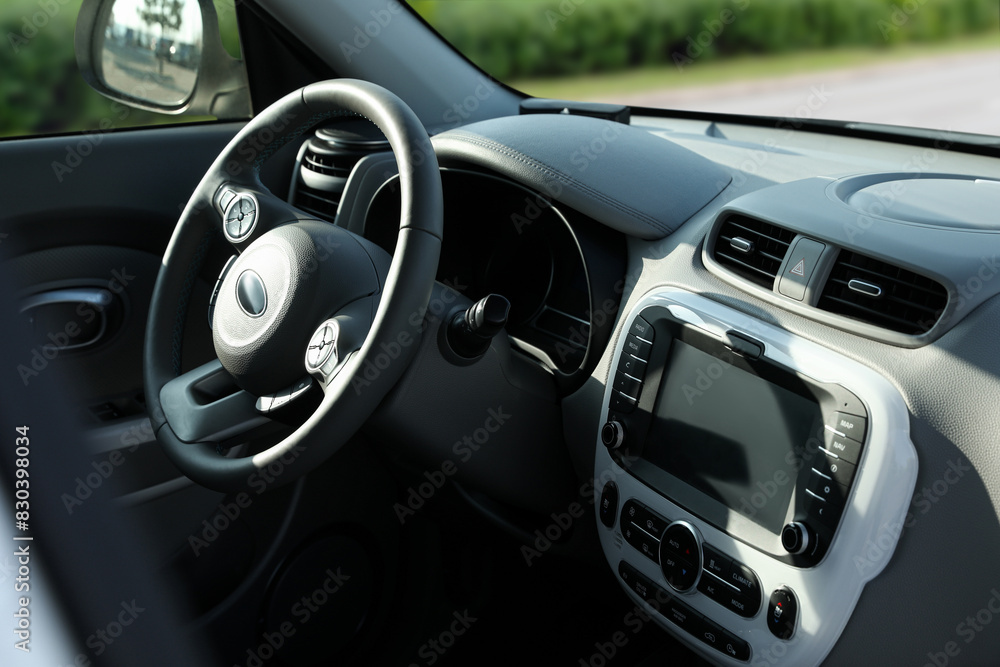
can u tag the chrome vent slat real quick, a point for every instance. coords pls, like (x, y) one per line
(769, 245)
(909, 303)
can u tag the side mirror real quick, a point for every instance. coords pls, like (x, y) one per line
(161, 55)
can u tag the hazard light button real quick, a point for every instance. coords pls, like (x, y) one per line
(802, 260)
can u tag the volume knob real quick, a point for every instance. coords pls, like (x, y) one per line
(613, 434)
(796, 537)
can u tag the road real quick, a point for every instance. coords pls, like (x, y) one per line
(959, 92)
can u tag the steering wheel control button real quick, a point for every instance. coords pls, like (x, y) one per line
(609, 504)
(240, 218)
(322, 347)
(613, 434)
(251, 293)
(782, 612)
(680, 556)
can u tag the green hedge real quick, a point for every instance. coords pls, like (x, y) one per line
(533, 38)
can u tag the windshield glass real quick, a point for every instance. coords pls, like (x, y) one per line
(914, 63)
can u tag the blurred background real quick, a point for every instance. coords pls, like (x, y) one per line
(923, 63)
(41, 90)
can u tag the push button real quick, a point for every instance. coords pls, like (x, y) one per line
(632, 366)
(827, 513)
(715, 562)
(844, 448)
(851, 426)
(622, 403)
(609, 504)
(782, 610)
(744, 579)
(637, 347)
(679, 573)
(735, 647)
(627, 384)
(650, 522)
(826, 488)
(802, 260)
(642, 329)
(643, 543)
(838, 470)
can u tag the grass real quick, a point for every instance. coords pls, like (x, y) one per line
(739, 68)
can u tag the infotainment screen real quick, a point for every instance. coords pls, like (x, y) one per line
(730, 434)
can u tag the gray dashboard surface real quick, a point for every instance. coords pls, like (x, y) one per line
(610, 171)
(944, 568)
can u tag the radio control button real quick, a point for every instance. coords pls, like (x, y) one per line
(827, 513)
(823, 487)
(622, 403)
(632, 366)
(844, 448)
(839, 470)
(715, 562)
(628, 385)
(642, 329)
(637, 347)
(851, 426)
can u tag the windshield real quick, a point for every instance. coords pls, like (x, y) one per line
(914, 63)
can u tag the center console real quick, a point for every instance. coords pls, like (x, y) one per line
(742, 477)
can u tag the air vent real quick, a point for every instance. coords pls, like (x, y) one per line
(752, 248)
(326, 163)
(878, 293)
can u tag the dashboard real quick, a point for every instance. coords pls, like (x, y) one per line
(767, 350)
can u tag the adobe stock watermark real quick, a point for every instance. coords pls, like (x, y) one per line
(85, 314)
(464, 449)
(566, 9)
(37, 21)
(817, 98)
(878, 549)
(391, 351)
(432, 650)
(229, 510)
(364, 34)
(713, 28)
(303, 610)
(898, 17)
(460, 112)
(967, 630)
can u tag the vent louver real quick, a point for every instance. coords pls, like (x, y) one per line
(888, 296)
(752, 248)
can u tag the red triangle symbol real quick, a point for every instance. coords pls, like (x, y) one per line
(800, 268)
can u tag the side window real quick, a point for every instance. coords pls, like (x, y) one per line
(42, 89)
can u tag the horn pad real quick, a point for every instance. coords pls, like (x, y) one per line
(276, 291)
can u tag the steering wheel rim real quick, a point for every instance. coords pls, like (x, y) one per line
(404, 288)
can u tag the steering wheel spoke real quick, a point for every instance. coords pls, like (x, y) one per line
(293, 277)
(205, 405)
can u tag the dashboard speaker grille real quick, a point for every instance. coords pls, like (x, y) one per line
(903, 301)
(752, 248)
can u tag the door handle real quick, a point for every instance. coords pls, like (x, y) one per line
(67, 306)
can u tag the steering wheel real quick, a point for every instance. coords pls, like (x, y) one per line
(306, 308)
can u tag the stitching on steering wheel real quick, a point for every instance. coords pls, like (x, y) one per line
(192, 274)
(296, 133)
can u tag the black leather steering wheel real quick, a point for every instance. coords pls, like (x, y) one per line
(306, 307)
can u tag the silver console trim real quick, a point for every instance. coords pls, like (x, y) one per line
(870, 526)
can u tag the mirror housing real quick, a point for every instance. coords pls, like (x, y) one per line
(220, 87)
